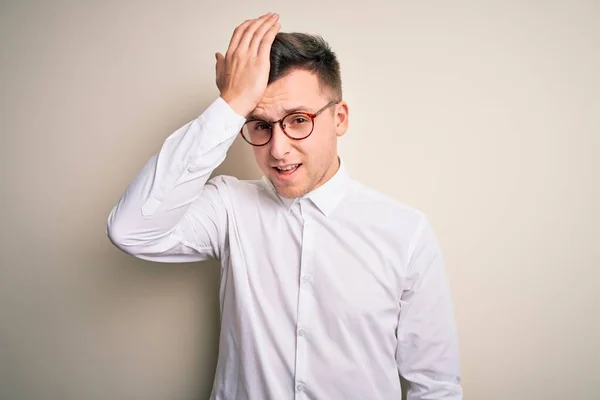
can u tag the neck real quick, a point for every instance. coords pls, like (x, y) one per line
(329, 173)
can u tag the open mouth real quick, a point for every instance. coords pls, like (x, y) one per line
(287, 171)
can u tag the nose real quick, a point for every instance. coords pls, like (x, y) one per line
(280, 143)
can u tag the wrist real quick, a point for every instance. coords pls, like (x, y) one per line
(238, 105)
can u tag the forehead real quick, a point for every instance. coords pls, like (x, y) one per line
(298, 89)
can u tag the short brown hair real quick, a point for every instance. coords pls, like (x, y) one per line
(291, 51)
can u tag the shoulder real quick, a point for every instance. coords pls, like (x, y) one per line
(391, 222)
(384, 207)
(389, 219)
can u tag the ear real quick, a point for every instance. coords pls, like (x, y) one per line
(341, 118)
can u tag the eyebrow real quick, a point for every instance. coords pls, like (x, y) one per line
(285, 112)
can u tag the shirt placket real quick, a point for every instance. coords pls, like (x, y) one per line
(305, 304)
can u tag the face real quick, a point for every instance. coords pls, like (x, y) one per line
(314, 160)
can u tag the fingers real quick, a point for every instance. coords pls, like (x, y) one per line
(264, 49)
(238, 33)
(260, 32)
(243, 42)
(242, 76)
(236, 37)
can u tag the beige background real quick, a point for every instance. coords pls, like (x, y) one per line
(485, 115)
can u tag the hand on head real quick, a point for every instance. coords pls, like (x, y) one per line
(242, 73)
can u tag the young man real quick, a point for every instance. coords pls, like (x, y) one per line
(329, 290)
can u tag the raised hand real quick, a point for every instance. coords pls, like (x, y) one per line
(243, 73)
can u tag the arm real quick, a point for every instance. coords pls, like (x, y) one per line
(427, 352)
(169, 212)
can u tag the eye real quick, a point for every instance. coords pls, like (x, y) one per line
(299, 119)
(262, 126)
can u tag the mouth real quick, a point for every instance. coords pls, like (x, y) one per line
(287, 172)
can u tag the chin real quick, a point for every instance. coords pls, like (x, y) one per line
(290, 192)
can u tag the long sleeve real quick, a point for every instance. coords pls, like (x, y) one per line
(427, 352)
(171, 212)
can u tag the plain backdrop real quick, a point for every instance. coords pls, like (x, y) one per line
(485, 115)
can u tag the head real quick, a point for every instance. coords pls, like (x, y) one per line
(304, 77)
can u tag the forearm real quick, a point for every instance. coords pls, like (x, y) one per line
(162, 192)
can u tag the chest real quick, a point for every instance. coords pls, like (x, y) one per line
(344, 265)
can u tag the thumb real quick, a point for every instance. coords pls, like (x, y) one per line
(220, 58)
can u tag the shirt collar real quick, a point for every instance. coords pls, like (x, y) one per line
(327, 196)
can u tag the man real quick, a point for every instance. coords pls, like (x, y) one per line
(329, 290)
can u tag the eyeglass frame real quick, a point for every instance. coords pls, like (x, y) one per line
(312, 117)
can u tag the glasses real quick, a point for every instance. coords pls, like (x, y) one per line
(297, 126)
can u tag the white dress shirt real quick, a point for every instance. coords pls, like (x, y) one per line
(330, 296)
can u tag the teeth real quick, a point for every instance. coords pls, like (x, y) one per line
(288, 168)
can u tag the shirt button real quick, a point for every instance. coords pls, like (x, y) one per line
(300, 388)
(305, 279)
(301, 332)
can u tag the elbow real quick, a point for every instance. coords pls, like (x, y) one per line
(120, 235)
(118, 238)
(134, 240)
